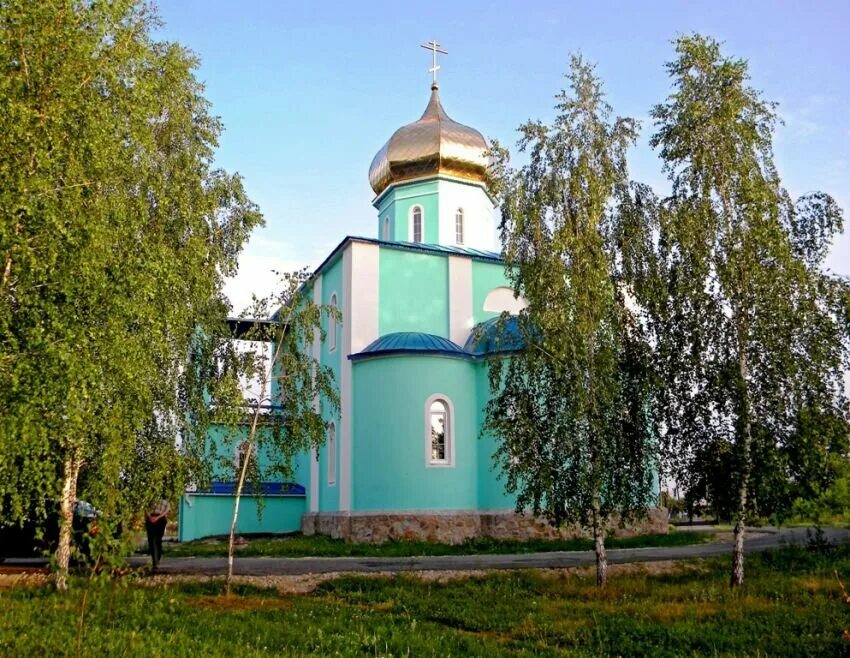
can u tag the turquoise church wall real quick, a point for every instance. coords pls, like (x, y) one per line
(413, 292)
(204, 515)
(491, 482)
(386, 212)
(389, 466)
(331, 283)
(396, 205)
(222, 442)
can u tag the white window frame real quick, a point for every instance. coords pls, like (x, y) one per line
(385, 234)
(459, 225)
(333, 301)
(331, 454)
(413, 210)
(449, 462)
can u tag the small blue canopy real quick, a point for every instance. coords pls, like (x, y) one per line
(411, 342)
(495, 336)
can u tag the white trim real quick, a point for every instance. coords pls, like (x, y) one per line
(361, 261)
(332, 460)
(479, 224)
(502, 299)
(450, 432)
(317, 355)
(363, 319)
(345, 398)
(333, 325)
(411, 233)
(460, 298)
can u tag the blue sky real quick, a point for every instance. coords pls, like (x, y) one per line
(308, 92)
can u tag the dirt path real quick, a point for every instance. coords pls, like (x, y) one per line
(332, 566)
(272, 566)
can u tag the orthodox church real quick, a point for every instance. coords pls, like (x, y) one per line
(404, 458)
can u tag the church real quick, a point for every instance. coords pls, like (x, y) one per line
(405, 458)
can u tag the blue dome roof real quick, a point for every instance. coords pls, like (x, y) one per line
(411, 342)
(494, 336)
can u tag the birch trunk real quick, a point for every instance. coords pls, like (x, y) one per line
(737, 578)
(601, 557)
(66, 520)
(599, 546)
(7, 269)
(231, 541)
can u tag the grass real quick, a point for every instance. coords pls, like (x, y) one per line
(789, 606)
(320, 546)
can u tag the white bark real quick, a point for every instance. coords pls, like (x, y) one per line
(737, 578)
(599, 545)
(66, 520)
(601, 557)
(231, 541)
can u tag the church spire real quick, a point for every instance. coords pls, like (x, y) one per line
(435, 48)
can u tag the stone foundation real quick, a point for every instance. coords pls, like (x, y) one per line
(455, 527)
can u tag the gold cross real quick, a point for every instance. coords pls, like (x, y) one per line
(435, 48)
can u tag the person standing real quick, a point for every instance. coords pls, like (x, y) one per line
(155, 521)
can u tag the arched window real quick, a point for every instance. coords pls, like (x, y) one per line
(239, 455)
(332, 324)
(439, 431)
(459, 226)
(331, 454)
(503, 299)
(386, 230)
(416, 223)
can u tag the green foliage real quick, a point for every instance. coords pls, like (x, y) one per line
(292, 391)
(830, 503)
(572, 409)
(322, 546)
(287, 415)
(790, 606)
(752, 337)
(116, 233)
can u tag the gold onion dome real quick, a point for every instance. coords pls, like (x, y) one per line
(433, 145)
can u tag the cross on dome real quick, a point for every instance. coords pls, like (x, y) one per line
(435, 145)
(435, 48)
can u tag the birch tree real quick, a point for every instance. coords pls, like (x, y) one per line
(751, 332)
(116, 233)
(284, 416)
(571, 410)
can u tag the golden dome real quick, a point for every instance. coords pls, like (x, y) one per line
(433, 145)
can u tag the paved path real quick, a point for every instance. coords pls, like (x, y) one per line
(272, 566)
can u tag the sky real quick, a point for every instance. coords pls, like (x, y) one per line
(308, 92)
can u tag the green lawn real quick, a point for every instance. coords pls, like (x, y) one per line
(790, 606)
(320, 546)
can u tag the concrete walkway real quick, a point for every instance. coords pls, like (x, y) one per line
(760, 540)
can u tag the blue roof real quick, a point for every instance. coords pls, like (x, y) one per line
(494, 336)
(411, 342)
(422, 247)
(438, 248)
(490, 337)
